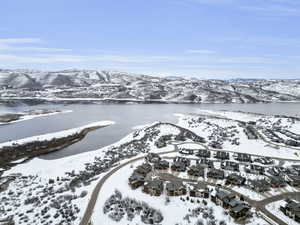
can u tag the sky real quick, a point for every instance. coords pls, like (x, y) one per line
(193, 38)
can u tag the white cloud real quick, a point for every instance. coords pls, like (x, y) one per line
(17, 44)
(42, 58)
(199, 51)
(20, 40)
(280, 10)
(270, 8)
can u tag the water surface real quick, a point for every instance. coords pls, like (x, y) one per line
(126, 117)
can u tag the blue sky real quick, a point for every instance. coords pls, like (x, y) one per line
(195, 38)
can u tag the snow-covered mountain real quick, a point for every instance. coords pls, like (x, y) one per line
(119, 86)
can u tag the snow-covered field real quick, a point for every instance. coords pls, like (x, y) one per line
(226, 119)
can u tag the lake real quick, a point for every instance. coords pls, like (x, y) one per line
(126, 116)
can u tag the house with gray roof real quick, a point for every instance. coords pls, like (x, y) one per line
(153, 157)
(222, 155)
(235, 179)
(259, 185)
(216, 174)
(197, 170)
(276, 181)
(136, 180)
(161, 165)
(230, 165)
(243, 157)
(178, 166)
(203, 153)
(240, 211)
(291, 209)
(293, 180)
(175, 188)
(199, 190)
(154, 187)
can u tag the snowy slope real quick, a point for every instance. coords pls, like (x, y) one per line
(100, 85)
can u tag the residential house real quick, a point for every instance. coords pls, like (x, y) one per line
(199, 190)
(161, 165)
(222, 197)
(154, 187)
(175, 188)
(293, 180)
(276, 181)
(202, 153)
(216, 174)
(264, 160)
(178, 166)
(153, 157)
(144, 169)
(180, 137)
(197, 170)
(291, 142)
(222, 155)
(291, 209)
(136, 180)
(240, 211)
(255, 169)
(209, 163)
(230, 165)
(243, 157)
(296, 168)
(250, 132)
(277, 171)
(237, 208)
(186, 151)
(186, 161)
(259, 185)
(235, 179)
(216, 144)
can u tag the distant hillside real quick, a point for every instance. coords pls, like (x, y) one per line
(119, 86)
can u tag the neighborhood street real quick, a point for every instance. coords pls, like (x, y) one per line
(258, 205)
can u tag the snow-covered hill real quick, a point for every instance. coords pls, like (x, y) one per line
(119, 86)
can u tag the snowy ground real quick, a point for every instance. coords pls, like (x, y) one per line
(225, 119)
(173, 212)
(45, 169)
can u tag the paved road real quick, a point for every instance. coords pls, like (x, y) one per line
(259, 205)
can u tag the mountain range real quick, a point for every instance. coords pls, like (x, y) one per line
(93, 85)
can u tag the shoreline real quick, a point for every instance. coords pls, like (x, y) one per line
(43, 100)
(22, 116)
(10, 151)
